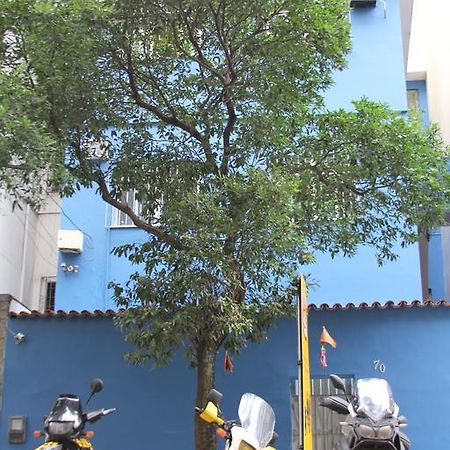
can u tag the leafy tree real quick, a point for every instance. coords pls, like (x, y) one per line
(29, 154)
(211, 111)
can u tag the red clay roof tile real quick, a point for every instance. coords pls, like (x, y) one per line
(323, 307)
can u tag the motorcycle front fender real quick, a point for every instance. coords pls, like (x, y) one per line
(367, 444)
(81, 444)
(50, 445)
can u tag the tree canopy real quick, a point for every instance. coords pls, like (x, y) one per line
(211, 111)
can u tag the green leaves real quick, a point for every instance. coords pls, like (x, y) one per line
(30, 160)
(373, 177)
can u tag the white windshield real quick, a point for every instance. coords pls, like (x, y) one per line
(373, 398)
(257, 417)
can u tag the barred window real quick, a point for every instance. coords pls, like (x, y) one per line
(47, 296)
(119, 218)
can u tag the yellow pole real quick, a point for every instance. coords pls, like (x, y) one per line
(304, 377)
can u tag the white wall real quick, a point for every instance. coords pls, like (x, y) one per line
(429, 57)
(12, 232)
(27, 250)
(429, 60)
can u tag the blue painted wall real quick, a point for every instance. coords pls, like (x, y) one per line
(63, 354)
(375, 66)
(87, 289)
(375, 70)
(359, 279)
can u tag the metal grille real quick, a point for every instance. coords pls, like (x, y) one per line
(50, 296)
(47, 294)
(119, 218)
(326, 428)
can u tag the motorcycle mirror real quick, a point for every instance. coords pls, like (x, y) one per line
(335, 403)
(402, 420)
(214, 397)
(338, 382)
(96, 385)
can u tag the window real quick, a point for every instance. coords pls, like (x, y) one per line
(326, 428)
(48, 291)
(412, 98)
(119, 218)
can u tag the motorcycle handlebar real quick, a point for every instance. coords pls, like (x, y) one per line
(93, 416)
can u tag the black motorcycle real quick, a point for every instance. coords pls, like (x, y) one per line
(372, 421)
(64, 426)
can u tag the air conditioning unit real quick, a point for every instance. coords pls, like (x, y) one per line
(363, 3)
(70, 241)
(97, 149)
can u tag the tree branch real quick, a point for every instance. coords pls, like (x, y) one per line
(155, 231)
(20, 167)
(361, 192)
(262, 28)
(223, 42)
(232, 118)
(169, 119)
(200, 58)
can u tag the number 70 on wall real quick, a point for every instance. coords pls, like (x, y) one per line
(378, 366)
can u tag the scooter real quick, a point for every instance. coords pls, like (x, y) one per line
(64, 426)
(253, 431)
(372, 421)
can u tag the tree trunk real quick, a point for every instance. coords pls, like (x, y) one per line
(205, 437)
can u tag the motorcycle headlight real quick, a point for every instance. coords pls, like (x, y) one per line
(366, 432)
(245, 446)
(385, 432)
(60, 428)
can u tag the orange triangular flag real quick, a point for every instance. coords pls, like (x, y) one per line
(325, 338)
(227, 363)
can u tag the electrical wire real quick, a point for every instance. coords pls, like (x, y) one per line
(89, 237)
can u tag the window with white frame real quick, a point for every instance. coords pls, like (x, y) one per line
(120, 219)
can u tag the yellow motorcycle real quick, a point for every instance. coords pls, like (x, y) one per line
(253, 431)
(64, 426)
